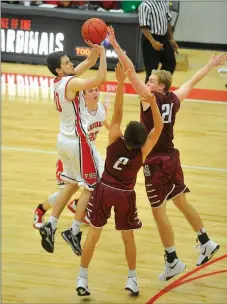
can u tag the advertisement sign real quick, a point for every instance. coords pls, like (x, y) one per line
(31, 38)
(21, 37)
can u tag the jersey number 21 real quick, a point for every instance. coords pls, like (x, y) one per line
(167, 112)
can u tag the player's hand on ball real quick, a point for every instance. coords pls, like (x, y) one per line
(120, 73)
(217, 60)
(95, 46)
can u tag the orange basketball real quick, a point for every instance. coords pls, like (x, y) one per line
(94, 30)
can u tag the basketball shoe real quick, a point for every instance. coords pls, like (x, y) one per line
(171, 269)
(206, 251)
(132, 286)
(82, 287)
(38, 219)
(73, 240)
(47, 234)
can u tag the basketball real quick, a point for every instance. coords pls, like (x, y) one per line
(94, 30)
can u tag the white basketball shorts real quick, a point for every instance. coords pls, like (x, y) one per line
(82, 163)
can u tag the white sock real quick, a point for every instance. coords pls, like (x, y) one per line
(83, 272)
(52, 198)
(53, 220)
(201, 231)
(170, 249)
(131, 273)
(76, 227)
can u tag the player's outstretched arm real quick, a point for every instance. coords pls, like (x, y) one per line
(123, 58)
(187, 87)
(137, 84)
(154, 134)
(119, 97)
(115, 131)
(87, 63)
(78, 84)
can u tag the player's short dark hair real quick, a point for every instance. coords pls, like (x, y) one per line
(54, 61)
(135, 135)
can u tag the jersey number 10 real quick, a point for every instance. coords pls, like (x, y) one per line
(57, 102)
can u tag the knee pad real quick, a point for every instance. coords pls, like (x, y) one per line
(52, 198)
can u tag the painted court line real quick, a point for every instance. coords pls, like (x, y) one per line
(182, 280)
(205, 101)
(53, 152)
(28, 150)
(205, 168)
(109, 86)
(200, 277)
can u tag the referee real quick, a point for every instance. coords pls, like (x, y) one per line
(157, 41)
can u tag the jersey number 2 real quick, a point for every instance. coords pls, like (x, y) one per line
(167, 112)
(120, 161)
(57, 102)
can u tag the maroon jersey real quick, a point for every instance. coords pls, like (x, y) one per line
(121, 165)
(168, 105)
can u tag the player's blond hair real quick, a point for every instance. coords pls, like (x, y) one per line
(164, 77)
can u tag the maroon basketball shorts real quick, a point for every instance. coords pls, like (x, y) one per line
(104, 198)
(164, 178)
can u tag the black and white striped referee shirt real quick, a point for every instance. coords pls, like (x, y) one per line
(155, 15)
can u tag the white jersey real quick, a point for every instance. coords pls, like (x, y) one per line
(75, 119)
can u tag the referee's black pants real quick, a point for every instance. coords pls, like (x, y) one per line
(152, 58)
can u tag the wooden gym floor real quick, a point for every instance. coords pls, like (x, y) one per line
(31, 275)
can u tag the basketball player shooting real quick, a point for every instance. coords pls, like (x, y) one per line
(164, 178)
(73, 143)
